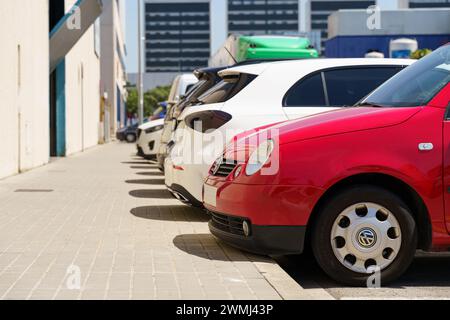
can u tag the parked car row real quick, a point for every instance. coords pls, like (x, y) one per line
(348, 157)
(149, 134)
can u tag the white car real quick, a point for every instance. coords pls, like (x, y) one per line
(148, 138)
(180, 86)
(257, 95)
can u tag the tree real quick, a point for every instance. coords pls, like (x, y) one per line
(153, 97)
(151, 100)
(419, 54)
(132, 101)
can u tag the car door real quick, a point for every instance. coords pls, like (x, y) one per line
(335, 88)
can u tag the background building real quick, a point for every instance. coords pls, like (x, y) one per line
(429, 4)
(256, 17)
(350, 37)
(321, 10)
(182, 34)
(113, 69)
(177, 35)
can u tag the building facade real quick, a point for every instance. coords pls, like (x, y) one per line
(350, 37)
(75, 81)
(49, 110)
(429, 4)
(260, 17)
(174, 26)
(24, 85)
(182, 34)
(177, 35)
(321, 10)
(82, 93)
(113, 69)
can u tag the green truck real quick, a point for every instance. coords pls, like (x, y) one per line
(242, 48)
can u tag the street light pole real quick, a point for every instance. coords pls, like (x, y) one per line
(140, 75)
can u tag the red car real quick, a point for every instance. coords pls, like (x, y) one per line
(364, 187)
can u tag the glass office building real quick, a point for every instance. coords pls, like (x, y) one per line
(257, 17)
(177, 35)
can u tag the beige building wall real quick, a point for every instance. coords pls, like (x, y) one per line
(113, 73)
(24, 85)
(82, 93)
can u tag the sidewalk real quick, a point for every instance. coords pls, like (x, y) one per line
(107, 215)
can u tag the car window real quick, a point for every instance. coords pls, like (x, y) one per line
(307, 92)
(346, 87)
(416, 85)
(225, 90)
(189, 87)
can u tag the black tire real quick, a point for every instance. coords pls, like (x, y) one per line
(130, 138)
(327, 215)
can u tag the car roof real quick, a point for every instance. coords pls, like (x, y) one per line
(311, 64)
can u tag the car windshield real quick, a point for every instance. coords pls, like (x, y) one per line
(417, 84)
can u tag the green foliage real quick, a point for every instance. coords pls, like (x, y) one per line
(132, 101)
(419, 54)
(151, 99)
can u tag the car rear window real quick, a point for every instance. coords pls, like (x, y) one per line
(225, 90)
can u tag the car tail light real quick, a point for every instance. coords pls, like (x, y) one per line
(207, 120)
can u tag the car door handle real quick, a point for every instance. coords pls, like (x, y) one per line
(426, 146)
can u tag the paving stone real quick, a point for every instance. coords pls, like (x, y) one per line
(125, 247)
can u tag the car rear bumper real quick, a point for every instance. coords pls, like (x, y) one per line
(184, 196)
(268, 240)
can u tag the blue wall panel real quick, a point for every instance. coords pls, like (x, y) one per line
(61, 109)
(357, 46)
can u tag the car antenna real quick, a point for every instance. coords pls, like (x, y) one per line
(231, 55)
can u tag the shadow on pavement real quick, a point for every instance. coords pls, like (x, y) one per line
(137, 162)
(150, 166)
(170, 213)
(147, 181)
(427, 270)
(155, 194)
(152, 174)
(207, 247)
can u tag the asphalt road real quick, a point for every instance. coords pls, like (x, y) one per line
(427, 278)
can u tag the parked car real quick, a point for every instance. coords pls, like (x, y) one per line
(149, 136)
(180, 86)
(207, 78)
(256, 95)
(364, 187)
(127, 134)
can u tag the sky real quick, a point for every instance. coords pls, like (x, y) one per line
(131, 36)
